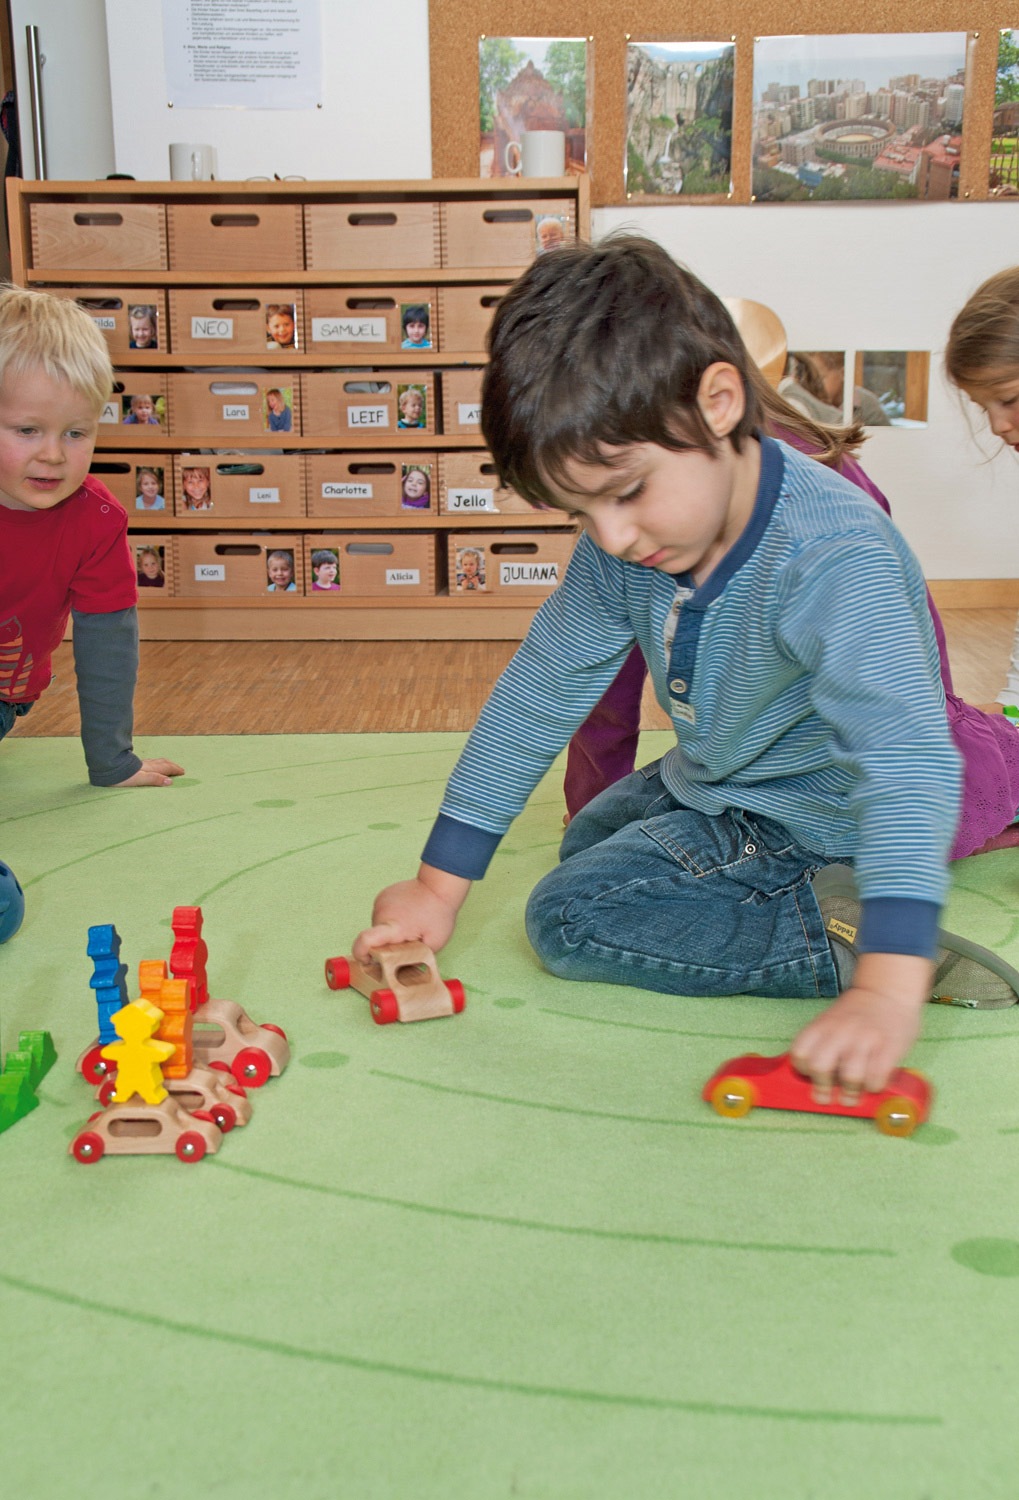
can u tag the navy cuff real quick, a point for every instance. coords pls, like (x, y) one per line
(459, 849)
(899, 924)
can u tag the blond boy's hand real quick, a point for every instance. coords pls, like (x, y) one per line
(422, 910)
(868, 1030)
(153, 773)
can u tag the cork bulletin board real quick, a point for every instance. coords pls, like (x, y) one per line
(456, 26)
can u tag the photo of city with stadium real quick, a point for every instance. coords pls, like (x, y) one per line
(858, 117)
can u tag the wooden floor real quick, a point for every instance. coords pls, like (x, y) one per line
(355, 687)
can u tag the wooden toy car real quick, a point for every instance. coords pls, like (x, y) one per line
(773, 1083)
(138, 1129)
(225, 1037)
(204, 1093)
(401, 981)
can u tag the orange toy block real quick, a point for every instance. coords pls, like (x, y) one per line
(137, 1056)
(190, 954)
(175, 1001)
(151, 973)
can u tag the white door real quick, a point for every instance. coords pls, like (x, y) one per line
(77, 117)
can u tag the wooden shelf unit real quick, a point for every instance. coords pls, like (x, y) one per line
(390, 618)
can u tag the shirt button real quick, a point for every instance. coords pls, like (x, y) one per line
(677, 685)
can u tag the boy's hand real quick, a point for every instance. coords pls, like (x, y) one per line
(153, 773)
(868, 1030)
(422, 910)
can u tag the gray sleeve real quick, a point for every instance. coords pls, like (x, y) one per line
(106, 665)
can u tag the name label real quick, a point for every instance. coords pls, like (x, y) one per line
(346, 491)
(403, 575)
(349, 330)
(233, 413)
(529, 573)
(470, 499)
(212, 328)
(469, 413)
(110, 412)
(367, 416)
(210, 572)
(264, 497)
(105, 322)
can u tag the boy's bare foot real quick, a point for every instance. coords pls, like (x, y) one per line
(153, 773)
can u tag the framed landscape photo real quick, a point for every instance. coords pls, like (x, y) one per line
(531, 83)
(678, 118)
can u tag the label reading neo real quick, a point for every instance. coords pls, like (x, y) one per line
(348, 330)
(530, 574)
(403, 575)
(210, 572)
(347, 490)
(232, 413)
(470, 499)
(105, 322)
(212, 328)
(367, 416)
(469, 413)
(263, 496)
(110, 412)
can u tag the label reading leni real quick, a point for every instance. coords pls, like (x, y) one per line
(335, 490)
(263, 496)
(234, 413)
(470, 499)
(348, 330)
(403, 575)
(469, 413)
(212, 328)
(210, 572)
(367, 416)
(529, 574)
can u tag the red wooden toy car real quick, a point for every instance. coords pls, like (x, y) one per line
(773, 1083)
(401, 981)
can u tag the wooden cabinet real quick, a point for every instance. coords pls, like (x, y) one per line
(298, 372)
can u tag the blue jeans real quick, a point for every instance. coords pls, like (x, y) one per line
(8, 713)
(651, 894)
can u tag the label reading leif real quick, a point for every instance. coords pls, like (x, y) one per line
(402, 575)
(337, 490)
(263, 496)
(348, 330)
(210, 572)
(529, 574)
(470, 499)
(367, 416)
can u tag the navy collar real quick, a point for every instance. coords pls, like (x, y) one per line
(768, 487)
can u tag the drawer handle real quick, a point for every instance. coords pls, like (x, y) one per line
(228, 304)
(507, 216)
(237, 549)
(489, 469)
(109, 468)
(491, 300)
(240, 468)
(371, 304)
(235, 221)
(371, 468)
(514, 549)
(370, 221)
(367, 387)
(99, 220)
(233, 388)
(99, 304)
(374, 549)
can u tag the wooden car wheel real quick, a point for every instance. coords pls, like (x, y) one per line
(337, 973)
(190, 1146)
(251, 1067)
(88, 1147)
(385, 1007)
(95, 1067)
(896, 1116)
(107, 1089)
(733, 1097)
(456, 994)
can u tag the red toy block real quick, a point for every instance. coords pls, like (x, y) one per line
(773, 1083)
(189, 955)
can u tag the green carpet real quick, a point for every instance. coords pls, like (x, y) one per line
(506, 1254)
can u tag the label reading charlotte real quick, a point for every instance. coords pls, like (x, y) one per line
(470, 499)
(530, 574)
(263, 496)
(346, 490)
(469, 413)
(210, 572)
(212, 328)
(403, 575)
(367, 416)
(348, 330)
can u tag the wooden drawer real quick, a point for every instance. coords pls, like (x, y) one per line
(111, 308)
(345, 404)
(234, 405)
(469, 485)
(99, 236)
(157, 575)
(367, 318)
(478, 232)
(465, 314)
(371, 484)
(138, 409)
(371, 236)
(259, 321)
(233, 565)
(259, 486)
(235, 236)
(380, 564)
(461, 401)
(516, 564)
(130, 478)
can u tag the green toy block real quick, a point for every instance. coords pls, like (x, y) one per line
(17, 1097)
(44, 1054)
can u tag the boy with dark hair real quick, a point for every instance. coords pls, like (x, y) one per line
(785, 625)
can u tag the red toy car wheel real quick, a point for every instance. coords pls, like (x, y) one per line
(190, 1146)
(223, 1116)
(733, 1097)
(107, 1089)
(385, 1007)
(251, 1067)
(337, 973)
(456, 991)
(896, 1116)
(268, 1026)
(95, 1067)
(88, 1147)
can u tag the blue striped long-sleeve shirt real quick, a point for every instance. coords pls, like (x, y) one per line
(803, 684)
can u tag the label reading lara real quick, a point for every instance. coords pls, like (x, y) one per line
(232, 413)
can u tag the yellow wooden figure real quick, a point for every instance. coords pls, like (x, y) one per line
(137, 1056)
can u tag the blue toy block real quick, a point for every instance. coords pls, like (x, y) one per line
(12, 903)
(108, 978)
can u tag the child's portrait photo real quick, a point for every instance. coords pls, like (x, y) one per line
(279, 567)
(149, 567)
(148, 484)
(416, 489)
(196, 483)
(411, 402)
(416, 324)
(550, 232)
(142, 411)
(143, 326)
(470, 570)
(280, 325)
(325, 568)
(277, 409)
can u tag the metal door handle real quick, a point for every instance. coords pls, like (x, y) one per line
(35, 62)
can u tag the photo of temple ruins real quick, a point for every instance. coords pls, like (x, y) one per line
(679, 117)
(531, 83)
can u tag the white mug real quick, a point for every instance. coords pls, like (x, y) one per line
(192, 163)
(540, 153)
